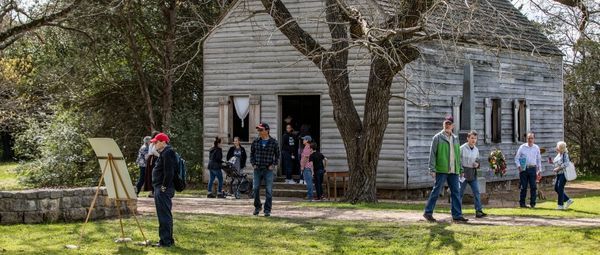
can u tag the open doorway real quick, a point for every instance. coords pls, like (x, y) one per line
(305, 111)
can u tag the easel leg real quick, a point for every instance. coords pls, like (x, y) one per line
(87, 218)
(128, 199)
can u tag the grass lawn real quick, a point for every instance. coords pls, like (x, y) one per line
(8, 178)
(588, 207)
(207, 234)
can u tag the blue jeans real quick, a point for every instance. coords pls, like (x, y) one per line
(475, 188)
(219, 175)
(440, 180)
(308, 179)
(527, 177)
(288, 164)
(263, 173)
(140, 182)
(319, 182)
(163, 203)
(559, 187)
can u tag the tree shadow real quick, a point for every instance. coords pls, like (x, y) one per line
(445, 236)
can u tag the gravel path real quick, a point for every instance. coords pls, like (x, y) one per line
(288, 208)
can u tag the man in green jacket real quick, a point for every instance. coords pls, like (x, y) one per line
(444, 165)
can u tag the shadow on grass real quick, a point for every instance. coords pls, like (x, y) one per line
(440, 232)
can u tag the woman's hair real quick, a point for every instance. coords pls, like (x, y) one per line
(146, 139)
(562, 146)
(472, 133)
(217, 141)
(314, 146)
(236, 137)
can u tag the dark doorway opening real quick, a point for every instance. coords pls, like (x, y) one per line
(305, 111)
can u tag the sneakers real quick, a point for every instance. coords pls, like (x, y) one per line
(524, 206)
(210, 195)
(480, 214)
(429, 217)
(569, 203)
(267, 214)
(221, 195)
(560, 207)
(460, 219)
(301, 182)
(256, 211)
(290, 181)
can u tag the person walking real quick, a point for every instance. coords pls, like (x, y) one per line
(141, 161)
(215, 158)
(561, 161)
(469, 158)
(289, 149)
(264, 156)
(164, 188)
(529, 163)
(445, 166)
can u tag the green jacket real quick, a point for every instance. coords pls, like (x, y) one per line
(439, 155)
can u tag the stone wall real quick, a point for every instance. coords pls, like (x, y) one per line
(58, 205)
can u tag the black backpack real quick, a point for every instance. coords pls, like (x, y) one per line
(180, 174)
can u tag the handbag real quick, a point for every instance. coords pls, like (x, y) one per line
(570, 173)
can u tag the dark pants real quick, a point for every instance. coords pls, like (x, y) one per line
(528, 177)
(263, 173)
(215, 173)
(163, 203)
(453, 184)
(288, 164)
(559, 187)
(319, 182)
(140, 182)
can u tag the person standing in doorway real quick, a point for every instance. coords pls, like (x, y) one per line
(215, 158)
(264, 156)
(445, 166)
(529, 163)
(469, 157)
(164, 188)
(141, 161)
(289, 148)
(307, 167)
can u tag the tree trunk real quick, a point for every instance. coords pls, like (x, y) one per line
(169, 10)
(137, 66)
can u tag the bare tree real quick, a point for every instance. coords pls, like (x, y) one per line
(17, 19)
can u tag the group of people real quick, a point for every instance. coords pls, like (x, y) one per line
(456, 165)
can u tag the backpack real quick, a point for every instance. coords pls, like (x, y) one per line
(180, 174)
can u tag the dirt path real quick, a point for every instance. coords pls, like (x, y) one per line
(287, 208)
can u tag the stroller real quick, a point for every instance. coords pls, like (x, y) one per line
(238, 181)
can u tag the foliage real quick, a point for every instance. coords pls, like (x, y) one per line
(8, 177)
(210, 234)
(497, 162)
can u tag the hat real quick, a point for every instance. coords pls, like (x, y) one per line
(307, 138)
(449, 118)
(263, 125)
(160, 137)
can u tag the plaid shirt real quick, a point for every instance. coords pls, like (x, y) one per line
(264, 156)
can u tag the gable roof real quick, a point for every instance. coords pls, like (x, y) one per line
(494, 23)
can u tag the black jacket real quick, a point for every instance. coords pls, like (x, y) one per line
(289, 143)
(215, 158)
(242, 159)
(164, 169)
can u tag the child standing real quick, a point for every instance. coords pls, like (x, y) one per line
(319, 163)
(307, 166)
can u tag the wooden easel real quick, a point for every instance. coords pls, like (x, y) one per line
(110, 164)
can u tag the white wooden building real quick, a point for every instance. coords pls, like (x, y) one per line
(504, 90)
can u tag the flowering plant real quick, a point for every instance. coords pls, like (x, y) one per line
(497, 162)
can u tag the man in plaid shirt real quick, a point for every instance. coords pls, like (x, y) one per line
(264, 156)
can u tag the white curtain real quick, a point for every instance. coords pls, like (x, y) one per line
(242, 107)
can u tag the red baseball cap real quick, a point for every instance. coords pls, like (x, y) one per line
(160, 137)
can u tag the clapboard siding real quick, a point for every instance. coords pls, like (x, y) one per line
(250, 56)
(504, 74)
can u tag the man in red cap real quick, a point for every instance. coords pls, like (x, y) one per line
(264, 156)
(164, 189)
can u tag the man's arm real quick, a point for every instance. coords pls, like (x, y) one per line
(433, 154)
(517, 156)
(170, 164)
(276, 156)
